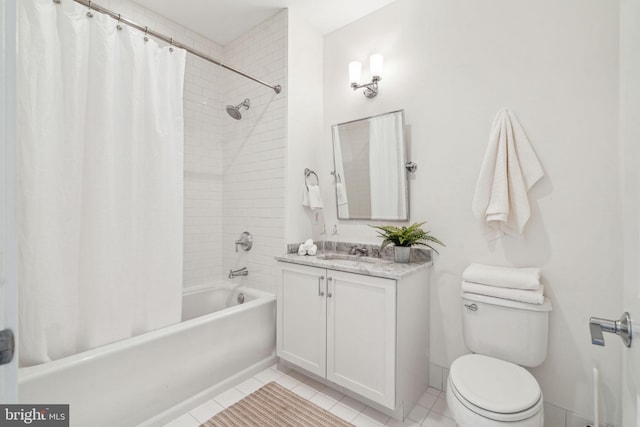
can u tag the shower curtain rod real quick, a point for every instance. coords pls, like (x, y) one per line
(147, 31)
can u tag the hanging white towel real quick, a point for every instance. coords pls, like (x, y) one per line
(509, 169)
(529, 296)
(315, 197)
(504, 277)
(305, 197)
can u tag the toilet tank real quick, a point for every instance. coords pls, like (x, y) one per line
(508, 330)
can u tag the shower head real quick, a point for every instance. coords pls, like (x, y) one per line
(235, 111)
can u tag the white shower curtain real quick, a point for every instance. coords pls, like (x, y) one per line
(100, 162)
(388, 182)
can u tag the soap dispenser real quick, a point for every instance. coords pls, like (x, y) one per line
(323, 239)
(334, 238)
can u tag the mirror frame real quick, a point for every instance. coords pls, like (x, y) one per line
(402, 165)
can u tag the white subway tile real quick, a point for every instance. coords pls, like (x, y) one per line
(234, 170)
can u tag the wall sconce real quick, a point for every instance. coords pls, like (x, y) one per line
(355, 73)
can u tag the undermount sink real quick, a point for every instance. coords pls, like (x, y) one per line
(353, 259)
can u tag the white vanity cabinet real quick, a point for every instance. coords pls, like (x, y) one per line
(363, 333)
(302, 317)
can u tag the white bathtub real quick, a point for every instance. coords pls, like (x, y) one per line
(152, 377)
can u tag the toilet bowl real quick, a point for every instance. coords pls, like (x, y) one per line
(491, 387)
(484, 391)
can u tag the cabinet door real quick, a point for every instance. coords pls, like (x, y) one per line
(361, 335)
(301, 318)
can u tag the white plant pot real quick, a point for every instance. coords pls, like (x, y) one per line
(401, 253)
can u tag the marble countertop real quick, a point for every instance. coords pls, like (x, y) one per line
(378, 267)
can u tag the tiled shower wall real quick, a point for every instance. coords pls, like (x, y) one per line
(202, 171)
(234, 176)
(254, 151)
(202, 146)
(202, 167)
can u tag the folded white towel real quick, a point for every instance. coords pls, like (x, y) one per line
(529, 296)
(341, 194)
(509, 169)
(302, 250)
(307, 244)
(315, 197)
(312, 250)
(504, 277)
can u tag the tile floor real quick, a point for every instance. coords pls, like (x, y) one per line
(431, 410)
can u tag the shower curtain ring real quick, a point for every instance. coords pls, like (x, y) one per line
(118, 26)
(89, 13)
(146, 30)
(171, 45)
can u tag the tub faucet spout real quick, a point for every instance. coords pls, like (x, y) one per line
(240, 272)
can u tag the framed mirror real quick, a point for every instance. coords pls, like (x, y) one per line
(369, 157)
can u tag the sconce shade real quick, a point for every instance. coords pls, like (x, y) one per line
(375, 64)
(355, 71)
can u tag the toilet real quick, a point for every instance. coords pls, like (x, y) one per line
(491, 388)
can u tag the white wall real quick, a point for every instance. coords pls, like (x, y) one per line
(304, 122)
(8, 185)
(451, 65)
(254, 151)
(630, 158)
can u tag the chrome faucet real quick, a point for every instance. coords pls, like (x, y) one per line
(240, 272)
(357, 250)
(245, 240)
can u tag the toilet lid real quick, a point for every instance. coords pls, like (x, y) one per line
(493, 384)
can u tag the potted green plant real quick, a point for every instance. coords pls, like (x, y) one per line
(404, 237)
